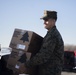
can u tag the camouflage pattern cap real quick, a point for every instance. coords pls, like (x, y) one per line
(49, 14)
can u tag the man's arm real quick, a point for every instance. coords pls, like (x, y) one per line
(44, 54)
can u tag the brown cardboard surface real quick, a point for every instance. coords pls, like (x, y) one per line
(24, 44)
(16, 62)
(26, 40)
(19, 56)
(24, 70)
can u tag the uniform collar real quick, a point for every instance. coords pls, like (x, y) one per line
(54, 27)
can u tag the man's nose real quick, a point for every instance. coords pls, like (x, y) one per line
(44, 22)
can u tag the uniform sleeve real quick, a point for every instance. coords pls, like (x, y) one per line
(44, 54)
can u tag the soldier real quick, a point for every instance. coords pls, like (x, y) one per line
(50, 56)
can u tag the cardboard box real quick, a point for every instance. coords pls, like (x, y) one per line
(26, 40)
(25, 44)
(16, 62)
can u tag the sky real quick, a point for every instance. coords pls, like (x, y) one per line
(26, 14)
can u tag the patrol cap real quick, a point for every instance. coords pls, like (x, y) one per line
(49, 14)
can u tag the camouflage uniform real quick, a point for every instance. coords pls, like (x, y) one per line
(50, 56)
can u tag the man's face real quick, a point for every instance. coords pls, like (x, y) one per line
(49, 23)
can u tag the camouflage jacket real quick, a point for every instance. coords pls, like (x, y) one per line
(50, 56)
